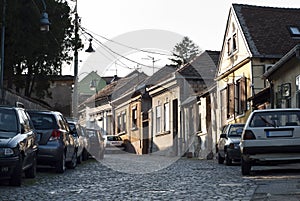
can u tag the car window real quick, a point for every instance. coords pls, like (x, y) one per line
(8, 120)
(43, 121)
(24, 121)
(275, 119)
(235, 130)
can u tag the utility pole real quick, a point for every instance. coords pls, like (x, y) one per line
(2, 51)
(75, 91)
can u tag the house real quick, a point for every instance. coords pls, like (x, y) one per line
(284, 79)
(255, 39)
(164, 116)
(126, 102)
(198, 110)
(96, 111)
(89, 85)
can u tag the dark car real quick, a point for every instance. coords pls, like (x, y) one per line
(18, 145)
(95, 144)
(228, 145)
(80, 139)
(56, 145)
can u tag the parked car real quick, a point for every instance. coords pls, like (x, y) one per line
(113, 144)
(113, 141)
(95, 144)
(228, 145)
(80, 140)
(18, 145)
(56, 145)
(270, 136)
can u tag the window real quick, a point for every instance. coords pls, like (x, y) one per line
(240, 96)
(166, 117)
(134, 117)
(121, 122)
(294, 31)
(230, 101)
(158, 119)
(232, 44)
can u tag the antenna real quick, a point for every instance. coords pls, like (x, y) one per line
(153, 61)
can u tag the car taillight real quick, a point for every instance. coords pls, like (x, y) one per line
(231, 146)
(248, 135)
(55, 135)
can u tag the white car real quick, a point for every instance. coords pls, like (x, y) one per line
(113, 141)
(270, 136)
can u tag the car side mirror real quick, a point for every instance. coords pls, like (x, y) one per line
(223, 135)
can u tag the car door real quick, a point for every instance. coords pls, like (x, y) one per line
(222, 140)
(28, 133)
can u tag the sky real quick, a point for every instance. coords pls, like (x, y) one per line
(151, 25)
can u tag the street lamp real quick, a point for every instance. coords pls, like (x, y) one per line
(44, 27)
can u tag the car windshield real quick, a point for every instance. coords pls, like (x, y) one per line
(8, 120)
(275, 119)
(236, 130)
(42, 121)
(114, 138)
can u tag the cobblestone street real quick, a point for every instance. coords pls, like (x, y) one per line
(128, 177)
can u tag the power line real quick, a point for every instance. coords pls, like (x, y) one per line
(122, 56)
(127, 46)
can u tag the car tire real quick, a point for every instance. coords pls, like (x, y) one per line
(79, 159)
(220, 159)
(245, 167)
(61, 164)
(31, 172)
(228, 160)
(73, 163)
(16, 176)
(85, 155)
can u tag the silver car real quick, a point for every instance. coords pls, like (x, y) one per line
(270, 136)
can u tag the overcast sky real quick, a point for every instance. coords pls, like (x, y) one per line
(203, 21)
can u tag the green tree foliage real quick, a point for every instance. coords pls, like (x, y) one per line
(30, 54)
(185, 51)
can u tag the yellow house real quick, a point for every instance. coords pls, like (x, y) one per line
(255, 38)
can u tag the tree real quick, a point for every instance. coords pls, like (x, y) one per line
(31, 54)
(185, 51)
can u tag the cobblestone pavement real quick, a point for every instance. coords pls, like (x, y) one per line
(170, 179)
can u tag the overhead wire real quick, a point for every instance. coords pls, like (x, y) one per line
(122, 56)
(127, 46)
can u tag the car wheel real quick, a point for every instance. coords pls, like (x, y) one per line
(61, 164)
(246, 167)
(228, 160)
(220, 159)
(85, 155)
(73, 163)
(79, 159)
(16, 176)
(31, 172)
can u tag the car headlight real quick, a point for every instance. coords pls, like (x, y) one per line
(6, 152)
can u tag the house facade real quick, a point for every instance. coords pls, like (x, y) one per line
(253, 42)
(284, 79)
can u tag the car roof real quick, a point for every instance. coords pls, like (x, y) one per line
(44, 111)
(277, 110)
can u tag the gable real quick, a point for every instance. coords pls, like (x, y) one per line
(235, 48)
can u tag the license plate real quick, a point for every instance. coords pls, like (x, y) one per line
(286, 133)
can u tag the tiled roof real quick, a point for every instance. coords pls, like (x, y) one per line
(202, 67)
(266, 29)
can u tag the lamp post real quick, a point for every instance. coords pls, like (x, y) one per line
(75, 95)
(44, 27)
(89, 50)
